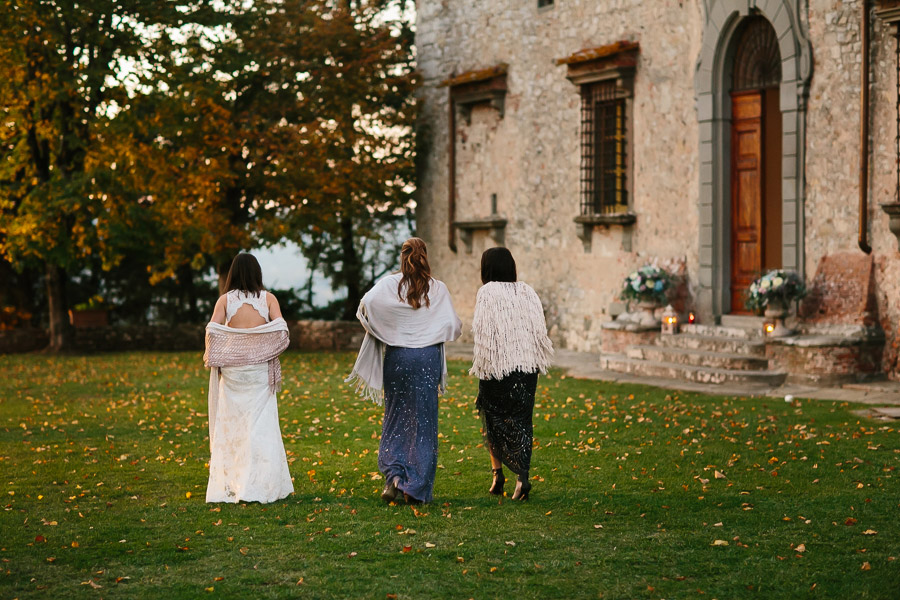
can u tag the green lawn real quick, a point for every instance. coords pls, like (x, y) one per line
(638, 493)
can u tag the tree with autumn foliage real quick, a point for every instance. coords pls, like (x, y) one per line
(163, 138)
(292, 119)
(65, 68)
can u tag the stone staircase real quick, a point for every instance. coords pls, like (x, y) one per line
(731, 353)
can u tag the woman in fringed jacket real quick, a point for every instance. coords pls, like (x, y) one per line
(511, 348)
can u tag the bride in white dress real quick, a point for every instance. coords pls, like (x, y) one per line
(244, 337)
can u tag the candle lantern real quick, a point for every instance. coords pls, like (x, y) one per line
(669, 321)
(691, 318)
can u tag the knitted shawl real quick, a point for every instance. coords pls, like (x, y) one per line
(510, 331)
(390, 321)
(233, 347)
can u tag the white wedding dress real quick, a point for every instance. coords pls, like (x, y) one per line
(248, 462)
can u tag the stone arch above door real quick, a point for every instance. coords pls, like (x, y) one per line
(722, 21)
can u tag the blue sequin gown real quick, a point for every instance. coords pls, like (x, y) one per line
(408, 450)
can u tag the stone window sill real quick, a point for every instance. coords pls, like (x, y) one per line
(495, 226)
(585, 226)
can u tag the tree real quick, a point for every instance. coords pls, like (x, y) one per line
(363, 81)
(65, 68)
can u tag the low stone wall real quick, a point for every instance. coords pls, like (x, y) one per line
(338, 336)
(616, 337)
(13, 341)
(825, 360)
(305, 335)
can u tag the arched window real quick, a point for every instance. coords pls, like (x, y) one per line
(757, 61)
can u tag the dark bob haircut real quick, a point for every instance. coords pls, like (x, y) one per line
(497, 264)
(244, 275)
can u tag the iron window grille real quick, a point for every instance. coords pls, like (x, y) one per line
(604, 174)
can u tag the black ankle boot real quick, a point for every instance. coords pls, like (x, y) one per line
(499, 480)
(523, 486)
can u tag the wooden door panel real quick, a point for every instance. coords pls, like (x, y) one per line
(746, 194)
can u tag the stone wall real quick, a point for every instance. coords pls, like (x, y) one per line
(305, 335)
(530, 156)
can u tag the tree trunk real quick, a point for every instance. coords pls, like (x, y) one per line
(351, 270)
(186, 280)
(61, 336)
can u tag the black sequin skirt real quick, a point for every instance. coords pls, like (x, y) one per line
(506, 407)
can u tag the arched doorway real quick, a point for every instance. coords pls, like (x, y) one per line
(756, 136)
(725, 22)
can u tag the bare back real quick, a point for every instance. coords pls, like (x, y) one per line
(243, 311)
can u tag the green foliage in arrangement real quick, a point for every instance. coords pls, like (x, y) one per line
(783, 287)
(638, 493)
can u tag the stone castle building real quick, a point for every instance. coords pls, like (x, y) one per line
(716, 138)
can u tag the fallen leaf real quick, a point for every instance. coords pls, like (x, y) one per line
(188, 496)
(351, 555)
(800, 548)
(126, 578)
(865, 566)
(719, 475)
(40, 538)
(429, 545)
(850, 521)
(510, 543)
(720, 543)
(870, 532)
(244, 550)
(598, 526)
(218, 578)
(407, 548)
(74, 544)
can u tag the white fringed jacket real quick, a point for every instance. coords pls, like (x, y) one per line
(510, 331)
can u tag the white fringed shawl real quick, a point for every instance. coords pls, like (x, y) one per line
(510, 331)
(389, 321)
(234, 347)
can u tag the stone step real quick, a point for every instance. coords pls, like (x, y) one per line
(712, 343)
(744, 333)
(648, 368)
(700, 358)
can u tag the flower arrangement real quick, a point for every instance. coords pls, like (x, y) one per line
(647, 284)
(775, 286)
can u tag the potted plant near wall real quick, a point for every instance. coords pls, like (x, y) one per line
(647, 287)
(93, 313)
(772, 295)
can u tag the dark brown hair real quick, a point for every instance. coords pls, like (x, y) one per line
(497, 264)
(416, 273)
(245, 275)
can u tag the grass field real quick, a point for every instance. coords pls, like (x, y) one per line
(638, 493)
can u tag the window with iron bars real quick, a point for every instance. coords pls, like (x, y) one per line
(604, 174)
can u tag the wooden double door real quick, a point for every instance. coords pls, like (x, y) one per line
(755, 189)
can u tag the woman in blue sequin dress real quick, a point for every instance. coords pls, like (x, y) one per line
(407, 316)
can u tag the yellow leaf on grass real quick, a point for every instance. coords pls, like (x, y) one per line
(800, 548)
(720, 543)
(719, 475)
(865, 566)
(870, 532)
